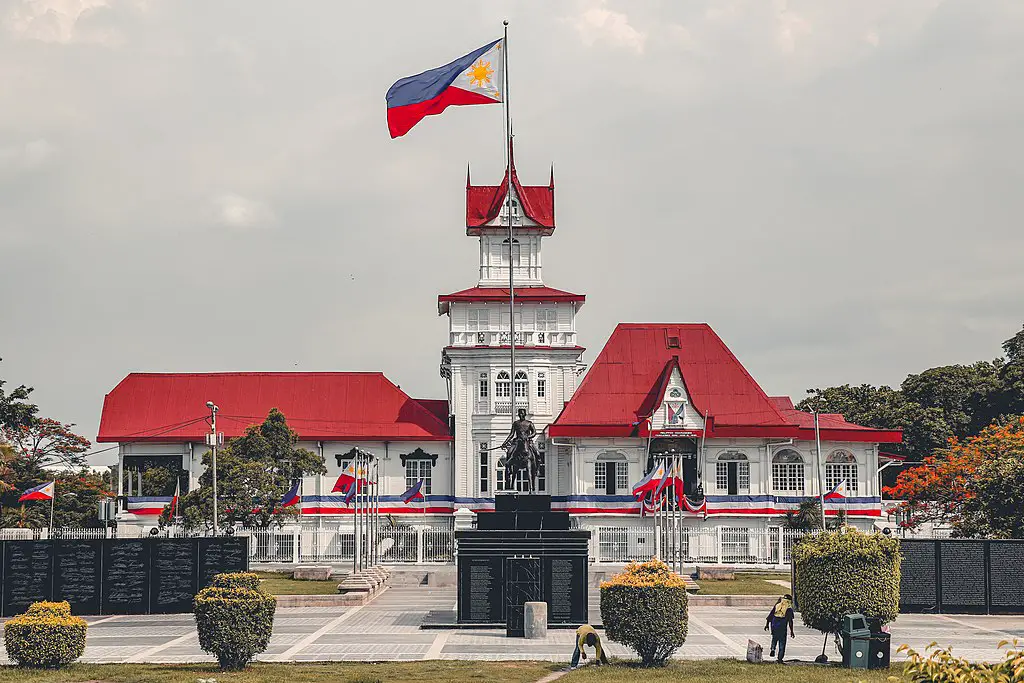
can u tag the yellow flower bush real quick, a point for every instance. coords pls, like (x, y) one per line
(940, 666)
(46, 636)
(644, 607)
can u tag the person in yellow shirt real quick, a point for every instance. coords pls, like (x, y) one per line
(587, 636)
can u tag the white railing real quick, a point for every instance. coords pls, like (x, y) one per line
(718, 545)
(504, 406)
(394, 545)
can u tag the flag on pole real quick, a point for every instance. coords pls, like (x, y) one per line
(41, 492)
(475, 78)
(650, 482)
(292, 496)
(174, 500)
(413, 493)
(350, 493)
(837, 492)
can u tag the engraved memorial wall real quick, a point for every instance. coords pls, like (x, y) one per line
(115, 576)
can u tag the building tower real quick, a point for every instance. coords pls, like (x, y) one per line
(483, 396)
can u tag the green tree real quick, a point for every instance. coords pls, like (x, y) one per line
(253, 472)
(46, 442)
(15, 410)
(1011, 375)
(78, 497)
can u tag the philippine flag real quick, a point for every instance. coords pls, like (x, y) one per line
(350, 494)
(838, 491)
(475, 78)
(413, 493)
(291, 497)
(41, 492)
(649, 483)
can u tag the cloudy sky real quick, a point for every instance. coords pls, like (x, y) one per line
(201, 185)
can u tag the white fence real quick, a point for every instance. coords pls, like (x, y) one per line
(395, 545)
(721, 545)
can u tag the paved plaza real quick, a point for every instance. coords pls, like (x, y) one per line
(389, 629)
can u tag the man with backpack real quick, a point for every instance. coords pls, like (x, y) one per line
(780, 616)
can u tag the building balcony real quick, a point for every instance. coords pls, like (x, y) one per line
(525, 338)
(504, 406)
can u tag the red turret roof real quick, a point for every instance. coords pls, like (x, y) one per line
(484, 202)
(627, 382)
(536, 295)
(337, 406)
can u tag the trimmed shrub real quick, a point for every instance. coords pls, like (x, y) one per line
(46, 636)
(645, 608)
(236, 580)
(846, 571)
(234, 622)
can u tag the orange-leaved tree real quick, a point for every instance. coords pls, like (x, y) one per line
(976, 484)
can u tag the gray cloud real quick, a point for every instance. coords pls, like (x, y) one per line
(833, 186)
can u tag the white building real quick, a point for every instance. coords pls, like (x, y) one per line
(656, 393)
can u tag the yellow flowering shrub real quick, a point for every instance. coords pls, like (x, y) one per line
(249, 580)
(46, 636)
(234, 621)
(644, 607)
(940, 666)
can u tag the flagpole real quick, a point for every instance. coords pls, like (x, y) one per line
(508, 213)
(821, 484)
(53, 501)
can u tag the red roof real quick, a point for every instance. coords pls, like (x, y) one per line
(627, 382)
(484, 202)
(344, 406)
(500, 294)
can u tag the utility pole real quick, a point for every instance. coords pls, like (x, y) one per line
(213, 445)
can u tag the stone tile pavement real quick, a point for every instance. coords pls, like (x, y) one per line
(388, 629)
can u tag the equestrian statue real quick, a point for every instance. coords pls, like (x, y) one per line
(520, 453)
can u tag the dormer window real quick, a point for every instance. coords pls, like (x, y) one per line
(673, 342)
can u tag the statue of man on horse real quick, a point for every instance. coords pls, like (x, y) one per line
(520, 453)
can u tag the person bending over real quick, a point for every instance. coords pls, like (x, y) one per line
(587, 636)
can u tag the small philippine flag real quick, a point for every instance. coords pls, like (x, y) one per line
(838, 491)
(415, 492)
(292, 496)
(41, 492)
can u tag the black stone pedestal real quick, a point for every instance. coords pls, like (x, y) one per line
(522, 552)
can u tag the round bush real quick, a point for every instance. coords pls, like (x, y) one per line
(645, 608)
(234, 624)
(846, 571)
(248, 580)
(46, 636)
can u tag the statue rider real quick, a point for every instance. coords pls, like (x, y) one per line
(520, 452)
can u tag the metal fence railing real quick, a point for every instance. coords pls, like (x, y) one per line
(394, 545)
(742, 546)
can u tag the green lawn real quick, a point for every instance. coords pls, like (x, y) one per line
(333, 672)
(743, 584)
(725, 671)
(282, 584)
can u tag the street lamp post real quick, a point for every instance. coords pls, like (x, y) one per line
(213, 445)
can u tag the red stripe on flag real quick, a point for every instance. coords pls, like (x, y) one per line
(402, 119)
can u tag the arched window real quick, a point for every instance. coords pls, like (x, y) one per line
(611, 473)
(515, 252)
(732, 473)
(788, 471)
(840, 465)
(502, 385)
(522, 384)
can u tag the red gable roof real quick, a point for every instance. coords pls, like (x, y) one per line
(831, 422)
(626, 383)
(500, 294)
(344, 406)
(484, 202)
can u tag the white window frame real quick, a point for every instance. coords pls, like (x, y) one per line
(503, 385)
(416, 469)
(484, 467)
(522, 385)
(483, 387)
(542, 385)
(788, 474)
(841, 464)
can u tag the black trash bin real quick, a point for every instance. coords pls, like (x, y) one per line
(879, 650)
